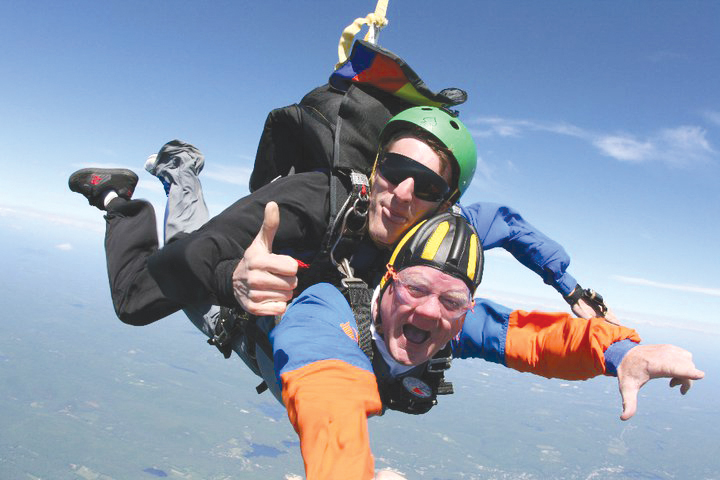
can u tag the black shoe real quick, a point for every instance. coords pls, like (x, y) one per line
(94, 183)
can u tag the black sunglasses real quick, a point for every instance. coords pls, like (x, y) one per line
(429, 186)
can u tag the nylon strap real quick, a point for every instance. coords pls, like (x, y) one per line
(359, 296)
(375, 21)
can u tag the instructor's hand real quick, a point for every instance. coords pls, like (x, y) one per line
(644, 362)
(263, 282)
(584, 310)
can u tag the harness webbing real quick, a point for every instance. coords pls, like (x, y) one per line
(359, 296)
(415, 391)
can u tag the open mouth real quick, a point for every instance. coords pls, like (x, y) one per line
(415, 335)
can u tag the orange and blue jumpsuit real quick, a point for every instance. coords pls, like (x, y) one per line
(329, 387)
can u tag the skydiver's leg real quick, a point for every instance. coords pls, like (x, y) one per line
(130, 237)
(178, 165)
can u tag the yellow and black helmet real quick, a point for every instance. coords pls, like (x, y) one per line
(445, 242)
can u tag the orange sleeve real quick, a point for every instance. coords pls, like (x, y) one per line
(328, 402)
(557, 345)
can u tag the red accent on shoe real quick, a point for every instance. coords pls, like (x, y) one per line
(95, 179)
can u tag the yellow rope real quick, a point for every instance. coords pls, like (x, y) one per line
(376, 19)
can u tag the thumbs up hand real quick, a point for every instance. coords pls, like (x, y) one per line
(263, 282)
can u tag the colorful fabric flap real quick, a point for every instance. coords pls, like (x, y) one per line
(375, 66)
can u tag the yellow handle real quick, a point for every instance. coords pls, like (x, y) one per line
(376, 21)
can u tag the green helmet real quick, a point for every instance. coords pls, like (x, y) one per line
(446, 242)
(449, 131)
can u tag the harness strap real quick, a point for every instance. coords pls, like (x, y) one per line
(434, 374)
(229, 324)
(335, 183)
(359, 296)
(416, 391)
(236, 321)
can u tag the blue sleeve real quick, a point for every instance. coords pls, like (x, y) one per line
(484, 333)
(318, 325)
(500, 226)
(615, 354)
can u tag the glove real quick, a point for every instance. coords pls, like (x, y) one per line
(587, 303)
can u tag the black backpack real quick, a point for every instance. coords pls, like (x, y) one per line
(336, 126)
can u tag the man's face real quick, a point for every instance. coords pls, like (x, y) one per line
(415, 327)
(394, 208)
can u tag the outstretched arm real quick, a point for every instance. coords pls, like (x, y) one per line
(501, 226)
(646, 362)
(554, 345)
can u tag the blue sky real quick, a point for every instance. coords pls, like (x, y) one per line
(599, 121)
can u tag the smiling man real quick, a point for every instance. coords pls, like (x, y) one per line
(424, 305)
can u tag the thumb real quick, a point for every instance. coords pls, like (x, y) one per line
(629, 399)
(271, 222)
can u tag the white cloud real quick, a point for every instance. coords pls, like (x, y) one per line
(712, 117)
(624, 148)
(151, 186)
(500, 253)
(64, 247)
(502, 127)
(232, 175)
(483, 168)
(677, 147)
(101, 165)
(505, 127)
(684, 145)
(51, 217)
(662, 56)
(680, 146)
(714, 292)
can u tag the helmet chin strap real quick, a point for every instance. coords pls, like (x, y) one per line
(375, 307)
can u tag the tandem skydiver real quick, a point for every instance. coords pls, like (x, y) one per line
(424, 304)
(242, 271)
(407, 168)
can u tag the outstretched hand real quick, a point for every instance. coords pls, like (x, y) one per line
(645, 362)
(263, 282)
